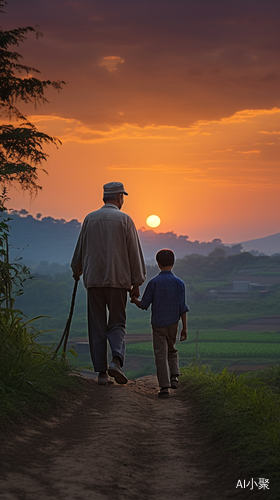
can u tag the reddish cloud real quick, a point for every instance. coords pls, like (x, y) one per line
(177, 99)
(184, 60)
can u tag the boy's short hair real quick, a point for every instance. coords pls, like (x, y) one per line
(165, 257)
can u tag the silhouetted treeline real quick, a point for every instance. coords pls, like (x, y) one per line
(181, 245)
(42, 239)
(219, 266)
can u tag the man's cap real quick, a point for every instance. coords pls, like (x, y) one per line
(114, 188)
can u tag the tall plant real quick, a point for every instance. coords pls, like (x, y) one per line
(12, 274)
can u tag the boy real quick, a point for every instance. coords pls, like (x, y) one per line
(166, 293)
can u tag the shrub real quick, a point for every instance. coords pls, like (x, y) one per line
(31, 374)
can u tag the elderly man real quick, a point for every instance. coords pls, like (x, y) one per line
(109, 255)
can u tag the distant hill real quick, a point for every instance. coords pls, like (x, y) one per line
(268, 245)
(53, 240)
(45, 239)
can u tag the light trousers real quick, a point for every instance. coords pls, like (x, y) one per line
(166, 356)
(106, 323)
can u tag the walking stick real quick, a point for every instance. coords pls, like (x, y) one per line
(66, 332)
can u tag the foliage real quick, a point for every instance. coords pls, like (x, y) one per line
(21, 147)
(12, 275)
(30, 374)
(216, 266)
(242, 413)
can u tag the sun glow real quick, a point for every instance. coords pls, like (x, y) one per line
(153, 221)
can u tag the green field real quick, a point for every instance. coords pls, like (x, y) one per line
(228, 336)
(216, 350)
(213, 319)
(51, 295)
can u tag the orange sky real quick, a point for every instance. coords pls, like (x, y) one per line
(182, 107)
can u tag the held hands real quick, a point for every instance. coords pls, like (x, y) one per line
(183, 335)
(134, 292)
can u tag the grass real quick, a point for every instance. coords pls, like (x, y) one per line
(147, 368)
(228, 336)
(222, 350)
(243, 413)
(217, 348)
(31, 375)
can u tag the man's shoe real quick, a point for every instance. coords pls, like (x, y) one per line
(104, 379)
(163, 393)
(174, 383)
(117, 373)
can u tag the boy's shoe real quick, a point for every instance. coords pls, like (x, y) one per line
(163, 393)
(174, 383)
(117, 373)
(104, 379)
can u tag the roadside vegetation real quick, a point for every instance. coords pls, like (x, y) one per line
(242, 415)
(31, 375)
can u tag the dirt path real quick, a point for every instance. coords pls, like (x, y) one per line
(120, 443)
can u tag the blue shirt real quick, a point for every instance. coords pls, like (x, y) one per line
(166, 293)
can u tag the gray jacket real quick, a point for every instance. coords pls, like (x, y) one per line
(108, 252)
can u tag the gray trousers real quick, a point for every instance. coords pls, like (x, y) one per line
(106, 322)
(166, 356)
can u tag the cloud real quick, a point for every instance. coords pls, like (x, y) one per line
(111, 62)
(184, 62)
(73, 130)
(273, 132)
(161, 168)
(245, 115)
(254, 151)
(223, 150)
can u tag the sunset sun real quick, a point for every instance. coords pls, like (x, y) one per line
(153, 221)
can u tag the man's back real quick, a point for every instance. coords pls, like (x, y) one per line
(109, 251)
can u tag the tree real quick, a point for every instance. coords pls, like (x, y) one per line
(12, 275)
(21, 147)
